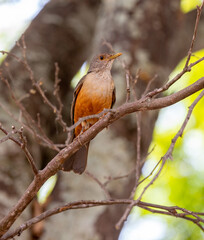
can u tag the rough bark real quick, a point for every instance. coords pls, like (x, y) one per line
(62, 32)
(145, 31)
(149, 34)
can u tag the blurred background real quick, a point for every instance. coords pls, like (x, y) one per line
(154, 36)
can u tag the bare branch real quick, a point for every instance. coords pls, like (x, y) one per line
(107, 194)
(128, 77)
(154, 208)
(22, 144)
(149, 85)
(137, 162)
(187, 67)
(110, 178)
(181, 130)
(55, 164)
(163, 160)
(98, 115)
(38, 84)
(25, 149)
(199, 10)
(57, 88)
(30, 124)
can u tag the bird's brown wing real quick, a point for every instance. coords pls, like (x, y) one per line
(78, 161)
(76, 92)
(113, 97)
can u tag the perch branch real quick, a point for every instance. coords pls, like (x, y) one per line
(55, 164)
(154, 208)
(187, 66)
(168, 155)
(22, 144)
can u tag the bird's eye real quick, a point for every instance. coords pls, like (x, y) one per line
(101, 57)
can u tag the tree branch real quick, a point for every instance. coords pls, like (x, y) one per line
(55, 164)
(22, 144)
(154, 208)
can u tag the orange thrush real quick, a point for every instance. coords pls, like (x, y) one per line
(94, 93)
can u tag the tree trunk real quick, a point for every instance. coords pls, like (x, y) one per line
(145, 31)
(149, 34)
(62, 32)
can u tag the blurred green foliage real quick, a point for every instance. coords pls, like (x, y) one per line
(82, 71)
(189, 5)
(181, 182)
(46, 189)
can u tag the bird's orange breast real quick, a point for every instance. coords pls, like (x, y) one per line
(92, 98)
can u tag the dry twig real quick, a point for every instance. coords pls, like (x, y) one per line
(55, 164)
(102, 185)
(154, 208)
(187, 67)
(22, 144)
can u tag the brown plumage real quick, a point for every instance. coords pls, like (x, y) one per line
(94, 93)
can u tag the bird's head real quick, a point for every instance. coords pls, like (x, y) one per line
(103, 61)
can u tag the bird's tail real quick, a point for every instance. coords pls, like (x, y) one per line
(78, 161)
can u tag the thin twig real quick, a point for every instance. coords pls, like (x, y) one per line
(138, 158)
(91, 175)
(110, 178)
(171, 82)
(150, 174)
(22, 144)
(30, 127)
(168, 154)
(199, 10)
(149, 85)
(163, 160)
(38, 84)
(98, 115)
(27, 153)
(187, 66)
(128, 78)
(154, 208)
(55, 164)
(57, 89)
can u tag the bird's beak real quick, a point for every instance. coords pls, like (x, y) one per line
(114, 56)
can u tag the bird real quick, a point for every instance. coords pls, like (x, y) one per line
(93, 93)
